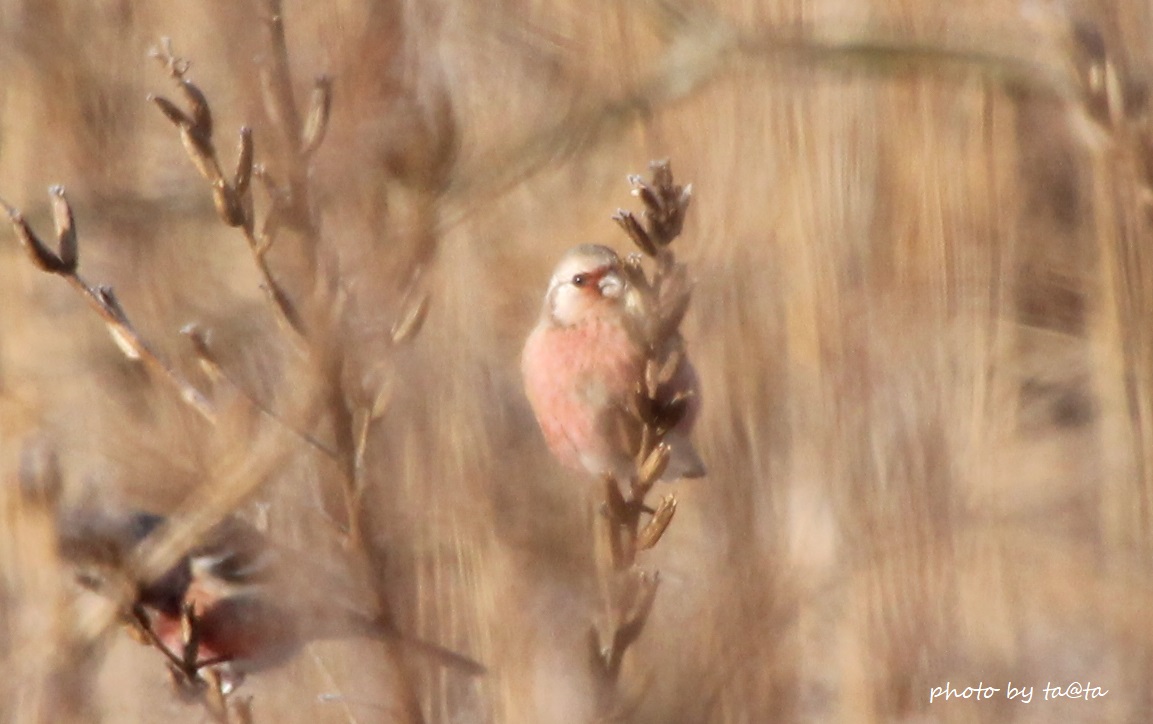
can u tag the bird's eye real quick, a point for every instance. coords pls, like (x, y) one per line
(579, 280)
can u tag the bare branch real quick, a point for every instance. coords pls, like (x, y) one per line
(651, 414)
(101, 299)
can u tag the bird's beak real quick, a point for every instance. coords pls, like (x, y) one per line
(611, 284)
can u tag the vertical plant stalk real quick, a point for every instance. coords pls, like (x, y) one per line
(233, 199)
(626, 524)
(290, 207)
(236, 207)
(1115, 100)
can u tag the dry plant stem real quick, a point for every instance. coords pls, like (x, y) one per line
(630, 591)
(216, 371)
(277, 81)
(185, 674)
(194, 678)
(276, 295)
(232, 197)
(300, 140)
(291, 207)
(235, 204)
(102, 301)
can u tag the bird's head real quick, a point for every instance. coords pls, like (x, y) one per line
(589, 279)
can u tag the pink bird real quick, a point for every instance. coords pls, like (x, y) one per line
(255, 606)
(585, 359)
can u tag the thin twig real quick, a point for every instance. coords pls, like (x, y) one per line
(101, 299)
(232, 197)
(217, 371)
(629, 590)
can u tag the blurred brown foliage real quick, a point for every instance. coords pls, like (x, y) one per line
(921, 320)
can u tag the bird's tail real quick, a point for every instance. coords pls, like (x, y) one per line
(684, 462)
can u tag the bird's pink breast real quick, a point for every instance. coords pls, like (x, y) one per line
(575, 377)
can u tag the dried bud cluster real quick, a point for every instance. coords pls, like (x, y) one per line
(195, 126)
(65, 260)
(652, 413)
(664, 214)
(232, 197)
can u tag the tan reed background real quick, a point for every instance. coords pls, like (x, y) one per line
(922, 320)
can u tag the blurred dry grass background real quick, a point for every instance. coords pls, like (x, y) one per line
(922, 323)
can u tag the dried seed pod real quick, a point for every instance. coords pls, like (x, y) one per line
(653, 531)
(636, 232)
(662, 172)
(203, 155)
(244, 156)
(638, 282)
(652, 375)
(666, 225)
(655, 464)
(634, 264)
(188, 625)
(201, 113)
(673, 312)
(684, 198)
(69, 253)
(665, 204)
(640, 404)
(228, 204)
(638, 613)
(652, 204)
(679, 200)
(171, 111)
(319, 108)
(44, 258)
(668, 367)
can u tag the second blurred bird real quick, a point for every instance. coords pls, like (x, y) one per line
(255, 604)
